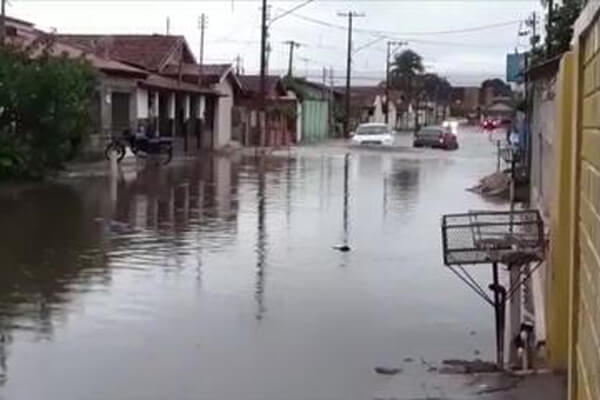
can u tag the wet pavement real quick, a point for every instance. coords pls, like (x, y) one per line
(220, 278)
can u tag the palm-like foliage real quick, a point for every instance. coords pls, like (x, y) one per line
(408, 76)
(407, 69)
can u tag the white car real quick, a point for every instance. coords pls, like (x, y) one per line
(373, 134)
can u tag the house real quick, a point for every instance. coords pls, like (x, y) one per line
(221, 78)
(315, 111)
(464, 101)
(500, 107)
(368, 104)
(170, 101)
(149, 81)
(281, 112)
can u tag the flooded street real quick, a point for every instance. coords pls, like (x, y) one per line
(218, 279)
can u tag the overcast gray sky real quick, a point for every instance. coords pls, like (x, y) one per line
(466, 58)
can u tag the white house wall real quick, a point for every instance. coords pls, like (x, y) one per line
(141, 103)
(222, 134)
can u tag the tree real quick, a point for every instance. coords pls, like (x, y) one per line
(44, 109)
(499, 87)
(406, 74)
(559, 28)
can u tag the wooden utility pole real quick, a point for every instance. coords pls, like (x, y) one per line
(202, 25)
(292, 44)
(350, 15)
(387, 76)
(263, 71)
(2, 22)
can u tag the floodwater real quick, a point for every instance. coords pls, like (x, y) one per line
(217, 279)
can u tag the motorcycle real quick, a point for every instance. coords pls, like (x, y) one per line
(140, 147)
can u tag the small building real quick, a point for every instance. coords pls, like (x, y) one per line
(464, 101)
(368, 104)
(281, 112)
(167, 100)
(315, 111)
(220, 78)
(500, 107)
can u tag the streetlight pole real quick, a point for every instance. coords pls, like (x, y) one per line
(350, 16)
(263, 70)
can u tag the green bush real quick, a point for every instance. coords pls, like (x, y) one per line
(44, 109)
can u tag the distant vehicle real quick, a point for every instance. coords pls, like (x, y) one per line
(488, 124)
(436, 137)
(373, 134)
(452, 125)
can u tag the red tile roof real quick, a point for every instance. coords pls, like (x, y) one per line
(251, 84)
(27, 38)
(145, 51)
(211, 73)
(208, 70)
(161, 82)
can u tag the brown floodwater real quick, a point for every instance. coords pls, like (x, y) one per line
(217, 278)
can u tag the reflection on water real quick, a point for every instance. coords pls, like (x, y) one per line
(217, 278)
(261, 241)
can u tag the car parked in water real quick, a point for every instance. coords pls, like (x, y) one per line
(373, 134)
(436, 137)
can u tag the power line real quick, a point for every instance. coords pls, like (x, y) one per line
(385, 32)
(453, 31)
(396, 35)
(290, 11)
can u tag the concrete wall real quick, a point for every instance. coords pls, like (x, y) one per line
(558, 269)
(583, 214)
(587, 239)
(222, 131)
(543, 143)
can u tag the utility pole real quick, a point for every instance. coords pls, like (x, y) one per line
(2, 22)
(532, 22)
(168, 26)
(202, 24)
(350, 16)
(330, 103)
(238, 65)
(387, 76)
(263, 69)
(291, 61)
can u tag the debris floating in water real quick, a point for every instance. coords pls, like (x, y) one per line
(387, 370)
(342, 247)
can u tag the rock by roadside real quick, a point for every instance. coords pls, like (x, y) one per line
(494, 185)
